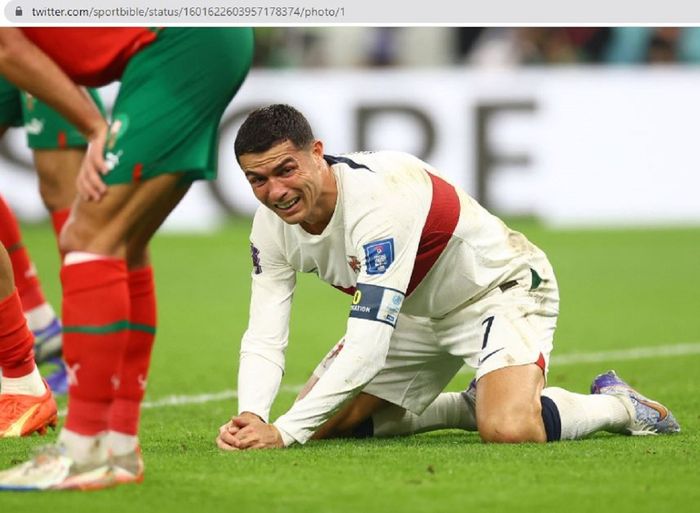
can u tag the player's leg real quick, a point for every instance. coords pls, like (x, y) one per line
(57, 170)
(404, 398)
(511, 333)
(41, 318)
(512, 403)
(96, 312)
(508, 406)
(40, 315)
(96, 318)
(122, 438)
(26, 403)
(165, 126)
(58, 149)
(371, 416)
(189, 144)
(96, 287)
(510, 409)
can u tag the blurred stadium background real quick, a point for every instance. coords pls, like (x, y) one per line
(576, 126)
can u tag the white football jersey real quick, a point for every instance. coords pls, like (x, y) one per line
(401, 239)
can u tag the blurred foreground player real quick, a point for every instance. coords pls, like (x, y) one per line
(57, 149)
(175, 86)
(437, 282)
(26, 403)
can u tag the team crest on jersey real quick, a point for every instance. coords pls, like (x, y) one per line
(116, 130)
(255, 255)
(379, 255)
(29, 101)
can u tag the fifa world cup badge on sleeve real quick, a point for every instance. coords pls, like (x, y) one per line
(379, 255)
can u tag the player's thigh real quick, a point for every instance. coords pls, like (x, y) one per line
(518, 329)
(506, 329)
(171, 100)
(415, 371)
(105, 227)
(137, 243)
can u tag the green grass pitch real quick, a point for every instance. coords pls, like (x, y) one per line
(621, 290)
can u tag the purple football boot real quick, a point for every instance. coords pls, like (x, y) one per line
(647, 417)
(47, 349)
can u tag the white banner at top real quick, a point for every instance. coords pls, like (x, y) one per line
(574, 147)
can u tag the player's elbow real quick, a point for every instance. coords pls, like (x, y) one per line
(12, 46)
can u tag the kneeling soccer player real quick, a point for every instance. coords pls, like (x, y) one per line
(437, 282)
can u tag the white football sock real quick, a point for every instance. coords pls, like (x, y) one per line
(448, 411)
(582, 415)
(119, 443)
(84, 449)
(40, 317)
(31, 384)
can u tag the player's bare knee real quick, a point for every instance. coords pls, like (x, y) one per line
(69, 239)
(519, 426)
(75, 236)
(55, 196)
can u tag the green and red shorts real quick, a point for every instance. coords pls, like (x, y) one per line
(172, 96)
(46, 129)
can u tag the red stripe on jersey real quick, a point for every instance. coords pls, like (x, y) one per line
(346, 290)
(437, 231)
(91, 56)
(62, 139)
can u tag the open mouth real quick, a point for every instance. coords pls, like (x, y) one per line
(287, 204)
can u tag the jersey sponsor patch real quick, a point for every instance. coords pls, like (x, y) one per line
(379, 255)
(376, 304)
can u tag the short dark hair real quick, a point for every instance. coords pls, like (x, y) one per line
(267, 126)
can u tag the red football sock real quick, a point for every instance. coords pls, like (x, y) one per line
(125, 412)
(16, 341)
(26, 280)
(58, 219)
(95, 332)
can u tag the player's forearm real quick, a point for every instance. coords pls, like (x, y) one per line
(258, 384)
(360, 360)
(30, 69)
